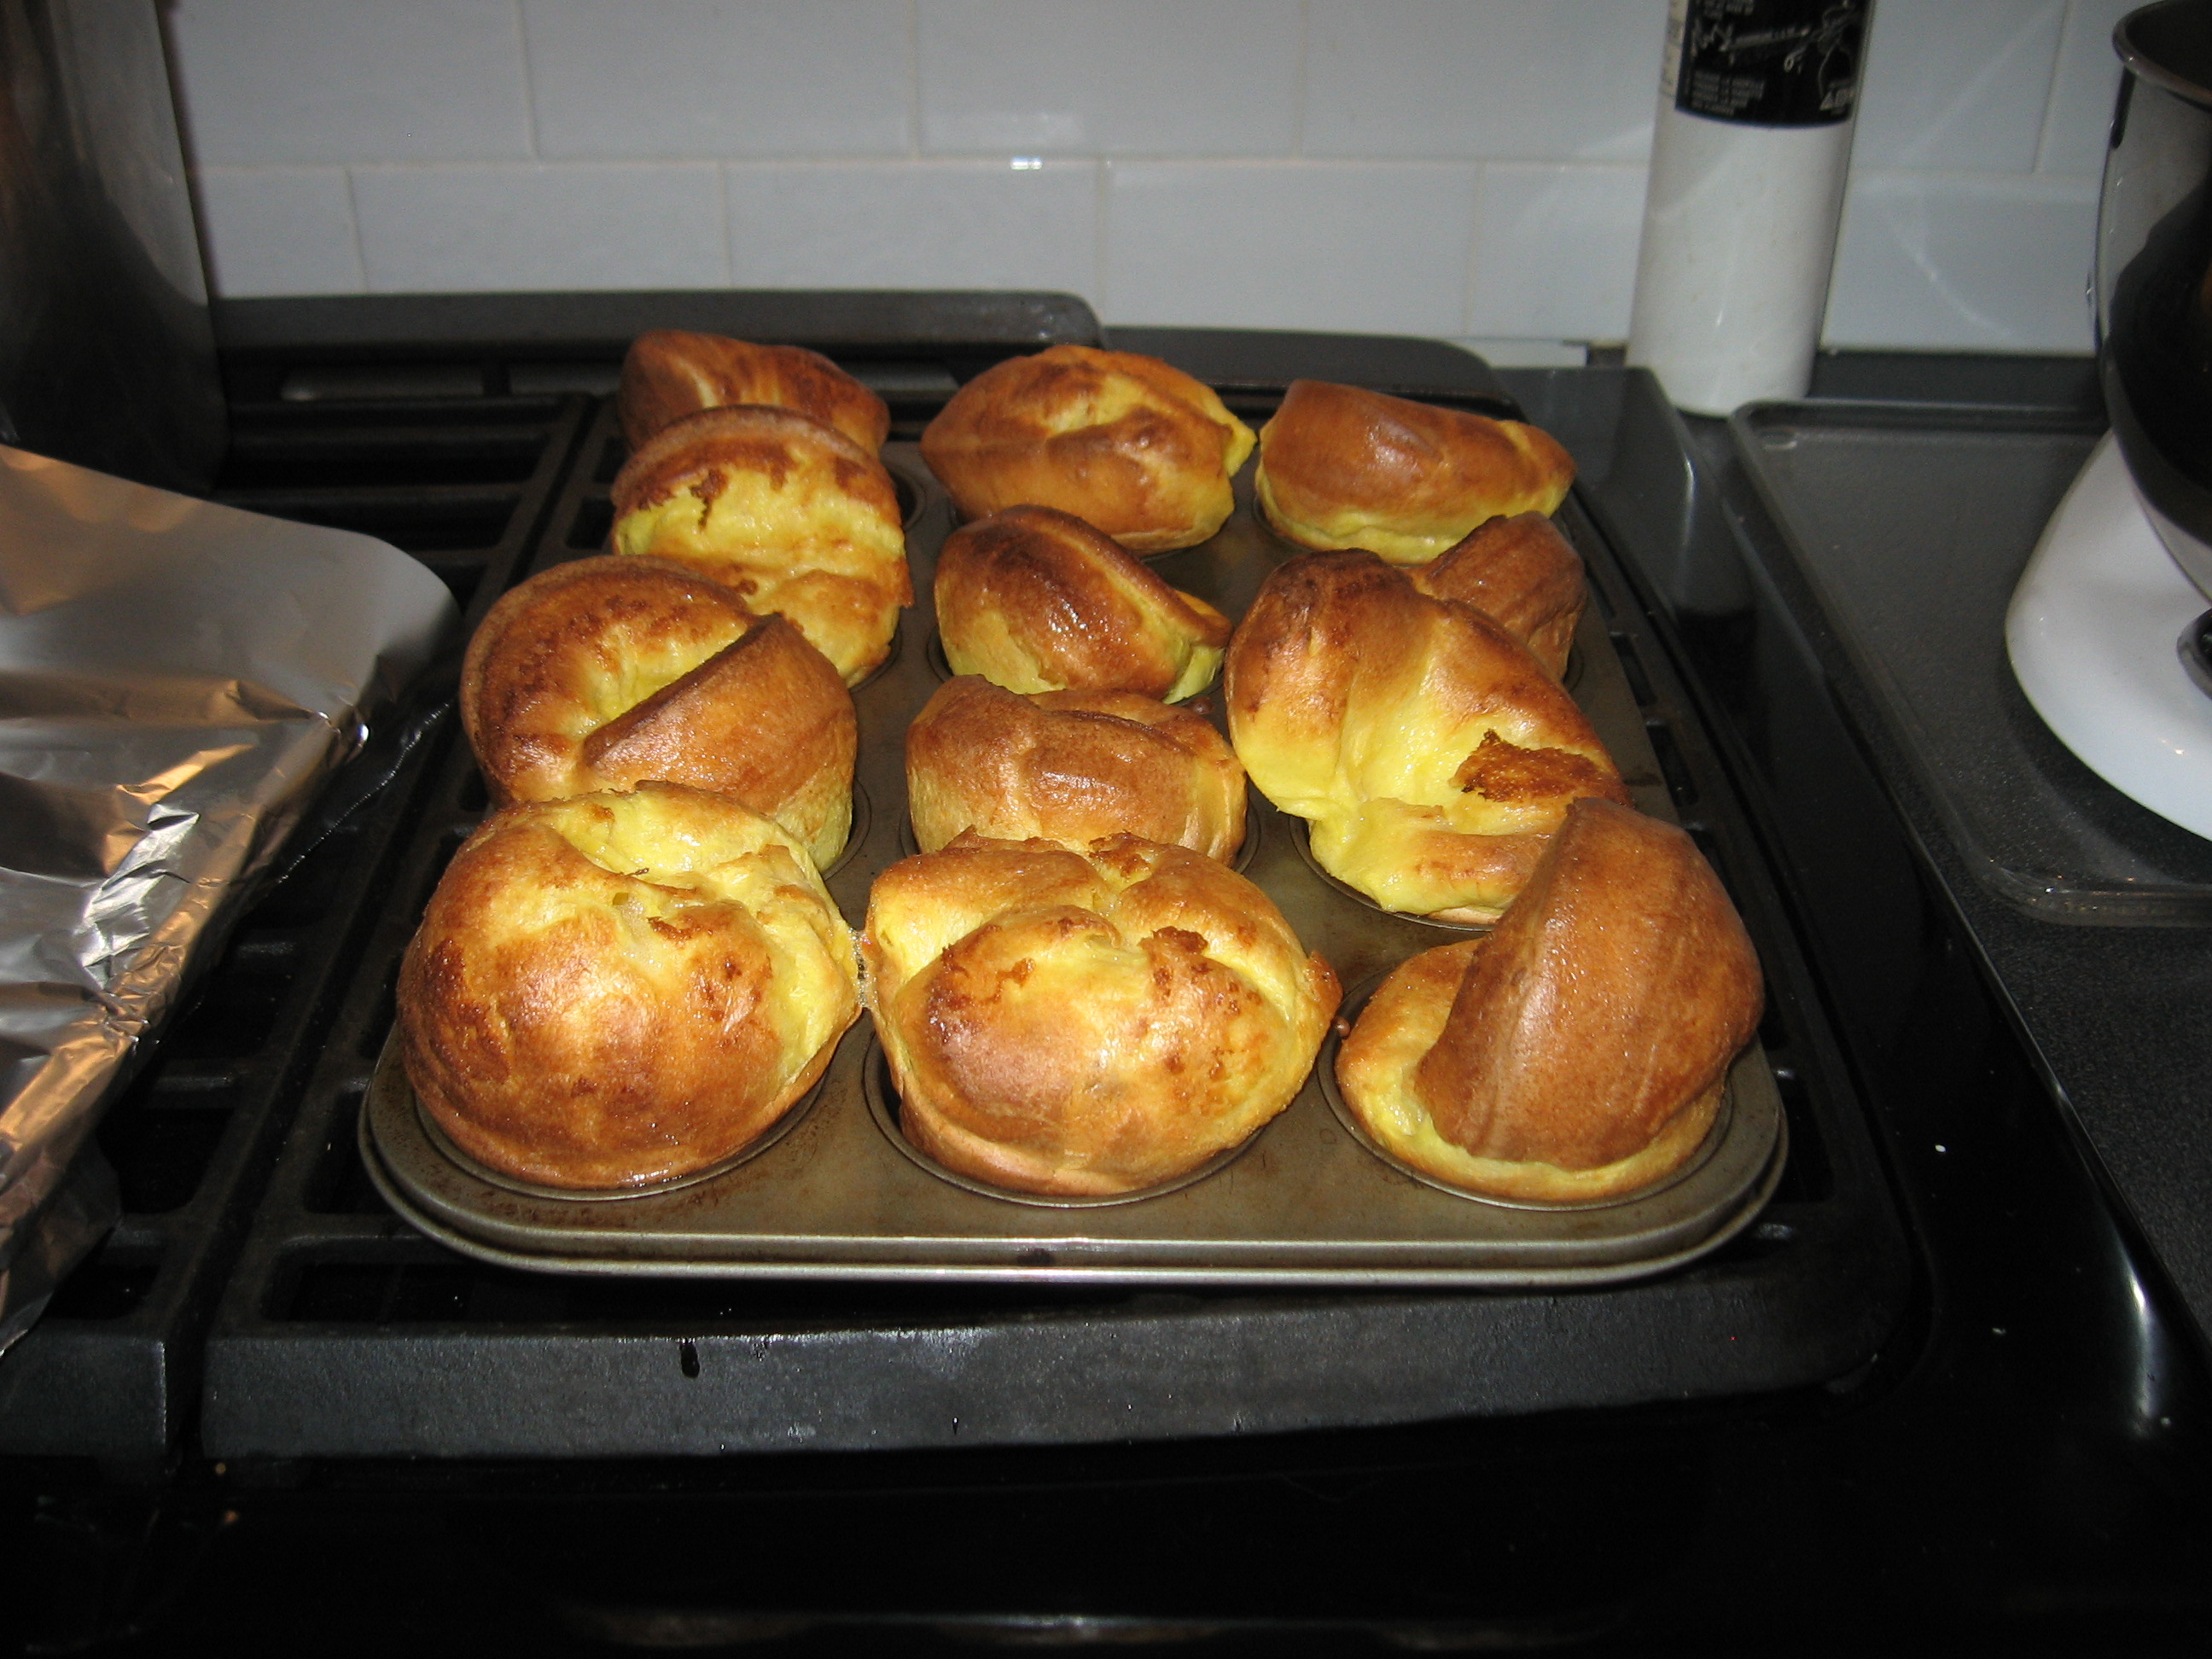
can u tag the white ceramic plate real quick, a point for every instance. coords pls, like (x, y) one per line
(2093, 633)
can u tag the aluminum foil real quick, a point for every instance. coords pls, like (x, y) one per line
(176, 679)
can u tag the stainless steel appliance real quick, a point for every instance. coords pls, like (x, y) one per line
(106, 356)
(2102, 632)
(2154, 272)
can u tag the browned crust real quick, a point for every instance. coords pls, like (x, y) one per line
(766, 721)
(688, 454)
(668, 373)
(1334, 635)
(1125, 442)
(1504, 772)
(583, 1027)
(1523, 573)
(1401, 1023)
(1616, 991)
(754, 712)
(1419, 737)
(793, 516)
(1341, 467)
(1070, 766)
(1077, 611)
(542, 638)
(1093, 1022)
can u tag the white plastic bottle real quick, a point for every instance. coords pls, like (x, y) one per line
(1748, 162)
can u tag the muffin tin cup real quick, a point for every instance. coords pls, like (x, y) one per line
(1305, 1201)
(1355, 1005)
(786, 1121)
(864, 817)
(885, 1106)
(841, 1195)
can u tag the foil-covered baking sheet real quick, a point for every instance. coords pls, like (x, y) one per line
(176, 679)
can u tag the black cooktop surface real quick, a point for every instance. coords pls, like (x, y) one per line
(1996, 1424)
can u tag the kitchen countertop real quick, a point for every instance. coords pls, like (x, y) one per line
(2115, 1015)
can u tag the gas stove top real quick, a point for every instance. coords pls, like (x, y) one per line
(1909, 1388)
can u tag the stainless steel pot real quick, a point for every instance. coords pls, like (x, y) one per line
(2154, 272)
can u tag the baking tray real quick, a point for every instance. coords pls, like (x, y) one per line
(1915, 578)
(1303, 1203)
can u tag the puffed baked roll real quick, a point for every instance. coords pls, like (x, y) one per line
(1037, 600)
(603, 673)
(1431, 754)
(793, 515)
(1581, 1051)
(671, 373)
(1519, 572)
(1072, 1023)
(1069, 766)
(622, 988)
(1341, 467)
(1123, 441)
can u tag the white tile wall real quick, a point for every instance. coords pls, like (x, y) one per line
(927, 224)
(280, 82)
(1113, 78)
(280, 230)
(589, 225)
(615, 80)
(2084, 89)
(1958, 85)
(1933, 259)
(1512, 79)
(1441, 166)
(1380, 247)
(1586, 220)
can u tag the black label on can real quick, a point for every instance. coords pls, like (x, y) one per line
(1767, 62)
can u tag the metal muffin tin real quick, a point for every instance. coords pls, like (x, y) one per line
(1305, 1202)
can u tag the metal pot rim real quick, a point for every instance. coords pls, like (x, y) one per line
(2138, 61)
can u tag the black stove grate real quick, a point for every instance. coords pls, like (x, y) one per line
(112, 1370)
(344, 1333)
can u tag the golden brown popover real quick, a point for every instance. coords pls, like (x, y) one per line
(792, 515)
(1035, 600)
(1341, 467)
(622, 988)
(1518, 571)
(1580, 1052)
(1069, 766)
(1086, 1023)
(1124, 442)
(1430, 753)
(604, 672)
(671, 373)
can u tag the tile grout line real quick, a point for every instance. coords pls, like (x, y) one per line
(1473, 251)
(914, 80)
(993, 161)
(1102, 223)
(2066, 14)
(353, 222)
(729, 224)
(529, 82)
